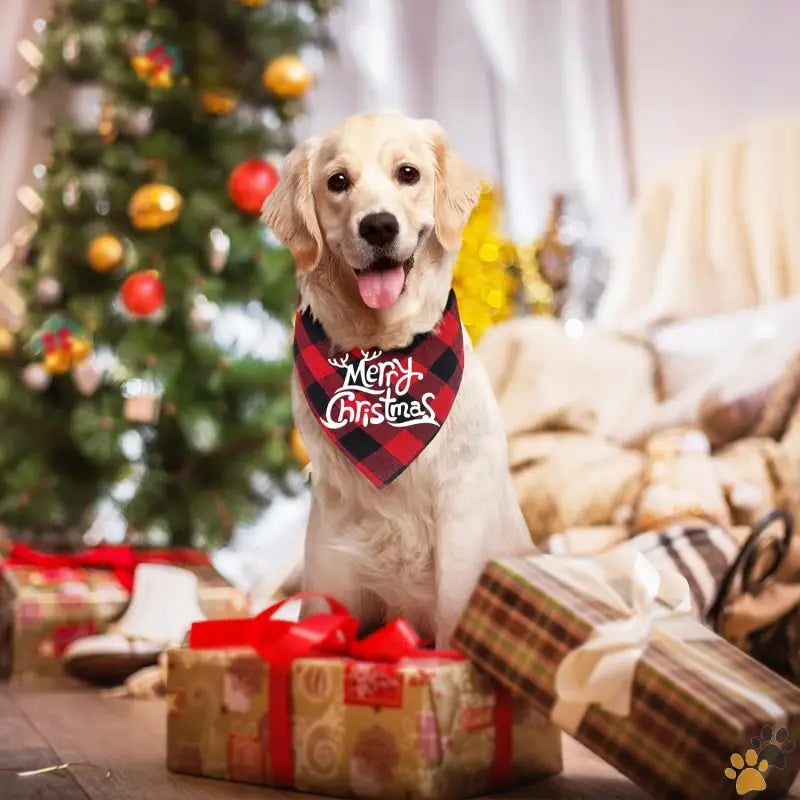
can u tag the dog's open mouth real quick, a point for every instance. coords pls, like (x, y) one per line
(382, 283)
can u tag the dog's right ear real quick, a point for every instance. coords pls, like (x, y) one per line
(289, 210)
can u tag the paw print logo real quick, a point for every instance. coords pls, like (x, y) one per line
(747, 772)
(773, 746)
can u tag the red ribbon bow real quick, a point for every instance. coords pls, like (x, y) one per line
(280, 642)
(120, 559)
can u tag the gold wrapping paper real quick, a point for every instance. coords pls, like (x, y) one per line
(43, 611)
(423, 729)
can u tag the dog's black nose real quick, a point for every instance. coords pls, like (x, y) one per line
(379, 229)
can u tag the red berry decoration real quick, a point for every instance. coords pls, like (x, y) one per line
(143, 293)
(251, 183)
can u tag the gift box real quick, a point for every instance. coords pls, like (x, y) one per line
(49, 601)
(364, 720)
(608, 650)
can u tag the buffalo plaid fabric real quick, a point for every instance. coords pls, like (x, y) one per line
(521, 623)
(381, 409)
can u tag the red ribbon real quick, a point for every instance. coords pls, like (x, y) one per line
(120, 559)
(280, 642)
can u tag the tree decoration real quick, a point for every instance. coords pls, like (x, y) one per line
(138, 122)
(142, 401)
(298, 448)
(219, 248)
(287, 77)
(35, 377)
(6, 342)
(48, 290)
(251, 183)
(62, 343)
(218, 103)
(139, 142)
(154, 205)
(87, 377)
(203, 313)
(105, 252)
(483, 277)
(85, 103)
(143, 293)
(158, 64)
(107, 125)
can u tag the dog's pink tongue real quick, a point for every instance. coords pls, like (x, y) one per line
(381, 288)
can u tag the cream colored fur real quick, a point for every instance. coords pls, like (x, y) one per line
(416, 547)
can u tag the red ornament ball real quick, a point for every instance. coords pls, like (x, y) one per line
(251, 183)
(143, 293)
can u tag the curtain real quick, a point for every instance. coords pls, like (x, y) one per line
(527, 89)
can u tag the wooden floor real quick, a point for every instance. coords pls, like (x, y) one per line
(116, 748)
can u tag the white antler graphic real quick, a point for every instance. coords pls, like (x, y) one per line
(340, 363)
(370, 355)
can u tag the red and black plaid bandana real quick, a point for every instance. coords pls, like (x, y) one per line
(381, 409)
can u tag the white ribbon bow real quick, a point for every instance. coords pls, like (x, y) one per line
(655, 605)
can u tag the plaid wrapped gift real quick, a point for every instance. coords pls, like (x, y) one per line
(413, 728)
(607, 649)
(49, 602)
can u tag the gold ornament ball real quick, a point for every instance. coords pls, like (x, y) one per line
(80, 349)
(153, 206)
(6, 342)
(288, 77)
(298, 448)
(58, 362)
(104, 252)
(217, 103)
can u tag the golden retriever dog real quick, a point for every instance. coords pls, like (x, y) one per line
(373, 213)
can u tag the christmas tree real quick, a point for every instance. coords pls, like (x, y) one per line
(129, 377)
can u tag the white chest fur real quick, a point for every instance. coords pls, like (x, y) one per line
(386, 551)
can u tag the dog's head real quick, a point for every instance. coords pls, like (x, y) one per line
(367, 198)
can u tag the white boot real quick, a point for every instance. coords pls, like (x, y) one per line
(163, 605)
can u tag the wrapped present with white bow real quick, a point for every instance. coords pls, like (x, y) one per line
(607, 647)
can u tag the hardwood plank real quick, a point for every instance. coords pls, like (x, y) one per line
(23, 748)
(128, 737)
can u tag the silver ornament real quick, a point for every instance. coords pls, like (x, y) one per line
(72, 193)
(85, 106)
(48, 290)
(247, 116)
(95, 181)
(270, 119)
(87, 377)
(219, 248)
(203, 433)
(71, 48)
(36, 377)
(139, 122)
(136, 44)
(203, 313)
(313, 57)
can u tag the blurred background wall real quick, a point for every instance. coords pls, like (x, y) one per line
(596, 96)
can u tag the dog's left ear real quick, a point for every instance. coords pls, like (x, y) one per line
(457, 188)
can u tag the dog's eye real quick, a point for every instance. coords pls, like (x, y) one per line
(338, 182)
(407, 174)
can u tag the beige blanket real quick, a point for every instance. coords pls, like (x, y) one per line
(571, 408)
(718, 233)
